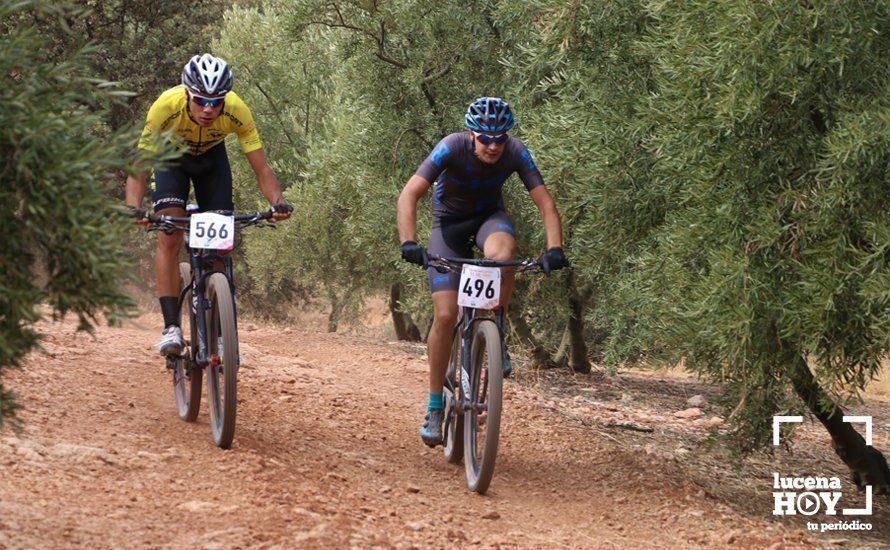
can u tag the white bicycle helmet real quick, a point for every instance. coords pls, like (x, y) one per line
(207, 76)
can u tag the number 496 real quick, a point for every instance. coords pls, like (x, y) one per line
(479, 286)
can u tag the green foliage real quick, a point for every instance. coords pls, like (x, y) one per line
(61, 235)
(575, 70)
(389, 81)
(284, 82)
(141, 44)
(721, 169)
(772, 149)
(722, 173)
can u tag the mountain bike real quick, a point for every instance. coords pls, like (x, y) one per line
(475, 376)
(208, 292)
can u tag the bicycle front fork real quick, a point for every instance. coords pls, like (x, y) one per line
(465, 327)
(200, 307)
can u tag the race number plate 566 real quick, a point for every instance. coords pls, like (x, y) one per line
(208, 230)
(480, 287)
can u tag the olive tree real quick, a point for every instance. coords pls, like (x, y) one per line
(62, 234)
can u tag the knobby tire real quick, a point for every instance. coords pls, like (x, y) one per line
(454, 442)
(186, 379)
(486, 385)
(221, 322)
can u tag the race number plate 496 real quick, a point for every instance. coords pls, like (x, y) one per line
(480, 287)
(209, 230)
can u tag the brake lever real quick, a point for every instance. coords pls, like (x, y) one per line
(257, 222)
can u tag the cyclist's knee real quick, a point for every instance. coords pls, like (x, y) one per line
(445, 315)
(169, 243)
(503, 253)
(500, 246)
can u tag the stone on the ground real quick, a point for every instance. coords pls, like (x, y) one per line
(697, 401)
(693, 412)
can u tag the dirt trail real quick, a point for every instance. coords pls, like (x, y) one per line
(326, 453)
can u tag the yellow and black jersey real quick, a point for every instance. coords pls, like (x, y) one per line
(169, 114)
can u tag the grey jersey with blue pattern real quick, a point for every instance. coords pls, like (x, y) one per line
(466, 186)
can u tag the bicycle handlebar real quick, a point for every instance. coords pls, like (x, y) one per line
(169, 224)
(446, 265)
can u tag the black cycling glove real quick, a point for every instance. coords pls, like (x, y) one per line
(414, 253)
(553, 259)
(138, 213)
(281, 207)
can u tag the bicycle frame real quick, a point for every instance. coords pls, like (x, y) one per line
(466, 323)
(203, 263)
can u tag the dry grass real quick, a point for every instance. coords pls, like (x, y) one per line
(881, 386)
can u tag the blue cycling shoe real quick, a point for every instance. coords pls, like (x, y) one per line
(431, 432)
(508, 365)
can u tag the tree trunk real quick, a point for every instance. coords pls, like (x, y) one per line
(539, 354)
(338, 304)
(867, 465)
(398, 318)
(334, 317)
(561, 357)
(580, 361)
(413, 331)
(405, 328)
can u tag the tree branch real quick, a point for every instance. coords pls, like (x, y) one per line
(277, 113)
(440, 74)
(379, 40)
(415, 131)
(383, 57)
(430, 98)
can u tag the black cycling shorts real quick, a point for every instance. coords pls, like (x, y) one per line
(454, 238)
(210, 173)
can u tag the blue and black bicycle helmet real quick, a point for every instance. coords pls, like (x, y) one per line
(489, 114)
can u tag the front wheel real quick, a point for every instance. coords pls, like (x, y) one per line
(186, 375)
(454, 421)
(482, 419)
(222, 372)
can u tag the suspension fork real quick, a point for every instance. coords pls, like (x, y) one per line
(230, 275)
(466, 335)
(200, 307)
(500, 316)
(469, 319)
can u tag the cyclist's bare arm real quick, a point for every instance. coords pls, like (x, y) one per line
(406, 210)
(549, 216)
(267, 181)
(135, 190)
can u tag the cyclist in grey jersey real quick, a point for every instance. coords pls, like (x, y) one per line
(470, 169)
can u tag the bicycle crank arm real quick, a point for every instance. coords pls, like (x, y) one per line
(203, 359)
(466, 406)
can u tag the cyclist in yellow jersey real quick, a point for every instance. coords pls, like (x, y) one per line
(200, 113)
(169, 114)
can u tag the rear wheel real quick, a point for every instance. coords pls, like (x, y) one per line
(186, 376)
(482, 420)
(454, 422)
(222, 372)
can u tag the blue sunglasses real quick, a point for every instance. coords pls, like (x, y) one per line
(486, 139)
(207, 102)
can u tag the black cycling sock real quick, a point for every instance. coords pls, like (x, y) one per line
(170, 309)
